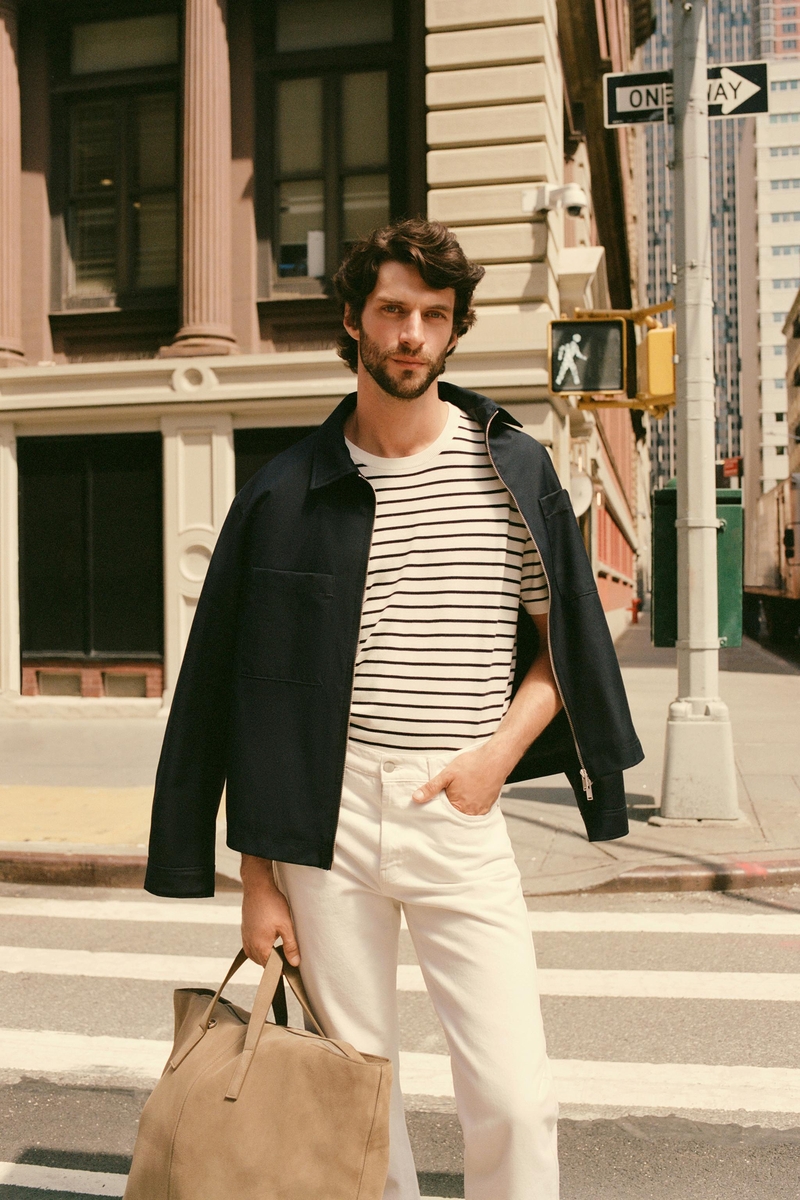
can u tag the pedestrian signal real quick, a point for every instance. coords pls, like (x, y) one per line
(655, 365)
(588, 356)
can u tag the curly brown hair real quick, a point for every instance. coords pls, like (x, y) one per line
(427, 245)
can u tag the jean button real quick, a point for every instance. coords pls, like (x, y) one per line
(389, 765)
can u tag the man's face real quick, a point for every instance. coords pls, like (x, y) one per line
(406, 331)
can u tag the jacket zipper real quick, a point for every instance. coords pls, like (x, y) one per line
(585, 780)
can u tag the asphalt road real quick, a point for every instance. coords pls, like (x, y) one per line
(672, 1022)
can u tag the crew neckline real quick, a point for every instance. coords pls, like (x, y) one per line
(409, 462)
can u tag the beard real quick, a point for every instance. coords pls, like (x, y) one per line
(408, 386)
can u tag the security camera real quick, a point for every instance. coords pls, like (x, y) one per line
(547, 197)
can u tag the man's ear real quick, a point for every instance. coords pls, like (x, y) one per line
(452, 346)
(347, 321)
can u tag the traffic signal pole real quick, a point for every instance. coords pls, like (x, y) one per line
(699, 781)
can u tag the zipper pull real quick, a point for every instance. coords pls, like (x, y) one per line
(587, 783)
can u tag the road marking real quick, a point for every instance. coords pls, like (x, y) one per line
(633, 1085)
(783, 924)
(213, 913)
(620, 1084)
(86, 1183)
(170, 968)
(177, 913)
(657, 985)
(198, 969)
(56, 1179)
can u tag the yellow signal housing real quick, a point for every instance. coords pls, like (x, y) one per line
(655, 365)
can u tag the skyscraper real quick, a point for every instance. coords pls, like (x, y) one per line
(729, 40)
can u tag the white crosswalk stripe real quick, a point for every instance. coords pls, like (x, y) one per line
(583, 1085)
(184, 968)
(212, 913)
(56, 1179)
(52, 1054)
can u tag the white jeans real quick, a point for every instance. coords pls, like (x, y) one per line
(458, 884)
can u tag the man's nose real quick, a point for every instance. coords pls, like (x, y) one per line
(412, 333)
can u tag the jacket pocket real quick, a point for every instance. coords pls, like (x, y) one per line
(573, 570)
(286, 623)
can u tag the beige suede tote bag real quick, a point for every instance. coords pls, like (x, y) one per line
(251, 1110)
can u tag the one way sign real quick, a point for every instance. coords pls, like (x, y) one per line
(738, 89)
(734, 90)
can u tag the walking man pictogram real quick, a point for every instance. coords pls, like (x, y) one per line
(568, 352)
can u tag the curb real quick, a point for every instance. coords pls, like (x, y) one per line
(726, 876)
(84, 870)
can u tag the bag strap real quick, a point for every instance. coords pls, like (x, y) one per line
(201, 1028)
(258, 1019)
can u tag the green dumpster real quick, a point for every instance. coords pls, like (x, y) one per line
(664, 616)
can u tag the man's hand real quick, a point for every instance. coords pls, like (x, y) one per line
(471, 782)
(265, 913)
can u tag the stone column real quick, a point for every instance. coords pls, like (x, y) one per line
(206, 304)
(10, 191)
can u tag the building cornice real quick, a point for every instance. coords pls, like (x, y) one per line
(222, 379)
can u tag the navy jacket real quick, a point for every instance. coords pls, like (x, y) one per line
(262, 701)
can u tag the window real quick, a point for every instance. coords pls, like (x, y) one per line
(784, 85)
(782, 184)
(785, 250)
(90, 525)
(343, 144)
(331, 197)
(778, 218)
(116, 104)
(784, 151)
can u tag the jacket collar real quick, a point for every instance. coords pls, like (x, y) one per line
(332, 459)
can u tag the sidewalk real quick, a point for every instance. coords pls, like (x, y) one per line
(75, 796)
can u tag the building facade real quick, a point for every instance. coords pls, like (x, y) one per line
(178, 183)
(769, 245)
(730, 39)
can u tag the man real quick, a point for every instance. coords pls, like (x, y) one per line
(399, 617)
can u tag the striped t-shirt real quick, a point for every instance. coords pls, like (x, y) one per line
(451, 559)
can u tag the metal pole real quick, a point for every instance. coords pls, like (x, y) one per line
(699, 773)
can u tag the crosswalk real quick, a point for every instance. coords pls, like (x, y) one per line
(600, 971)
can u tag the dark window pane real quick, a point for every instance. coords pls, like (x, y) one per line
(365, 202)
(52, 531)
(256, 447)
(90, 545)
(121, 45)
(126, 538)
(299, 125)
(301, 212)
(155, 119)
(365, 119)
(156, 242)
(93, 245)
(312, 24)
(95, 138)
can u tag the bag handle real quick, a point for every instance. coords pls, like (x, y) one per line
(276, 969)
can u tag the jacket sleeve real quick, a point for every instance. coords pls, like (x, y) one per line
(192, 768)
